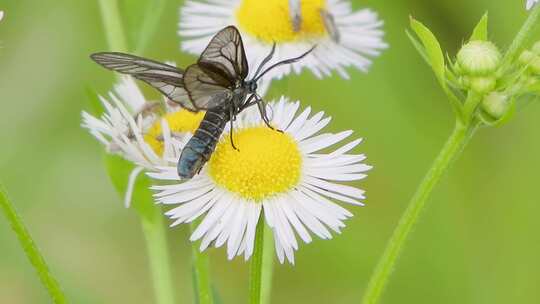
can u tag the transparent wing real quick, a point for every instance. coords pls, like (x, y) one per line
(166, 78)
(206, 88)
(225, 54)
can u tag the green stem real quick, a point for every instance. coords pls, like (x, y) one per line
(267, 265)
(31, 250)
(453, 147)
(112, 23)
(150, 215)
(256, 270)
(158, 255)
(201, 274)
(522, 36)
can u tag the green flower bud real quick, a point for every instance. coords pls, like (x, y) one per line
(479, 58)
(483, 85)
(535, 66)
(496, 105)
(526, 57)
(536, 48)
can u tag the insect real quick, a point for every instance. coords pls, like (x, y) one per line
(216, 84)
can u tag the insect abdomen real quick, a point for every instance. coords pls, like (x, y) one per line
(200, 147)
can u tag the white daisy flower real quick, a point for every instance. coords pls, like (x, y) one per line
(343, 37)
(530, 4)
(293, 176)
(130, 128)
(1, 15)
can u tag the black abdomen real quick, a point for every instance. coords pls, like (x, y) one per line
(200, 147)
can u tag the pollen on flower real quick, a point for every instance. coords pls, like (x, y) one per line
(179, 122)
(270, 20)
(267, 163)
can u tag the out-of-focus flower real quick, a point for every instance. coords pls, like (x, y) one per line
(292, 177)
(134, 128)
(343, 37)
(530, 4)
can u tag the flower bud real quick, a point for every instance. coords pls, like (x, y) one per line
(526, 57)
(536, 48)
(496, 105)
(483, 85)
(479, 58)
(534, 65)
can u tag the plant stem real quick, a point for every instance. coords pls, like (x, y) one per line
(267, 265)
(256, 270)
(151, 217)
(522, 36)
(31, 250)
(201, 274)
(158, 255)
(453, 147)
(112, 23)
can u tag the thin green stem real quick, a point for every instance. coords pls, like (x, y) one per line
(112, 23)
(151, 217)
(453, 147)
(201, 274)
(31, 250)
(158, 255)
(267, 265)
(256, 269)
(521, 38)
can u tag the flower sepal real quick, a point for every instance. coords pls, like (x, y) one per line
(496, 109)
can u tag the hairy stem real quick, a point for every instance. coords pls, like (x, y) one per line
(31, 250)
(453, 147)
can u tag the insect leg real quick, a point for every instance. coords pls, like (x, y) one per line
(249, 102)
(231, 119)
(262, 109)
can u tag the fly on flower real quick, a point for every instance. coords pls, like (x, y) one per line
(216, 84)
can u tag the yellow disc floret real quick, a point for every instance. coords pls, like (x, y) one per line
(179, 122)
(270, 21)
(266, 163)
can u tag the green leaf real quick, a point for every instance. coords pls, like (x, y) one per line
(432, 50)
(480, 32)
(418, 46)
(142, 200)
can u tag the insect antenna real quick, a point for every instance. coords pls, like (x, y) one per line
(286, 61)
(265, 60)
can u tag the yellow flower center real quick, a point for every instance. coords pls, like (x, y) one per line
(270, 21)
(267, 163)
(179, 122)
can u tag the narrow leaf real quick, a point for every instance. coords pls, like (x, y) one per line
(480, 32)
(30, 248)
(432, 49)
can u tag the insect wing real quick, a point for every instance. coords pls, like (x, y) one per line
(206, 88)
(225, 52)
(165, 78)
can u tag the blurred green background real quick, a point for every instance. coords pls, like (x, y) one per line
(477, 242)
